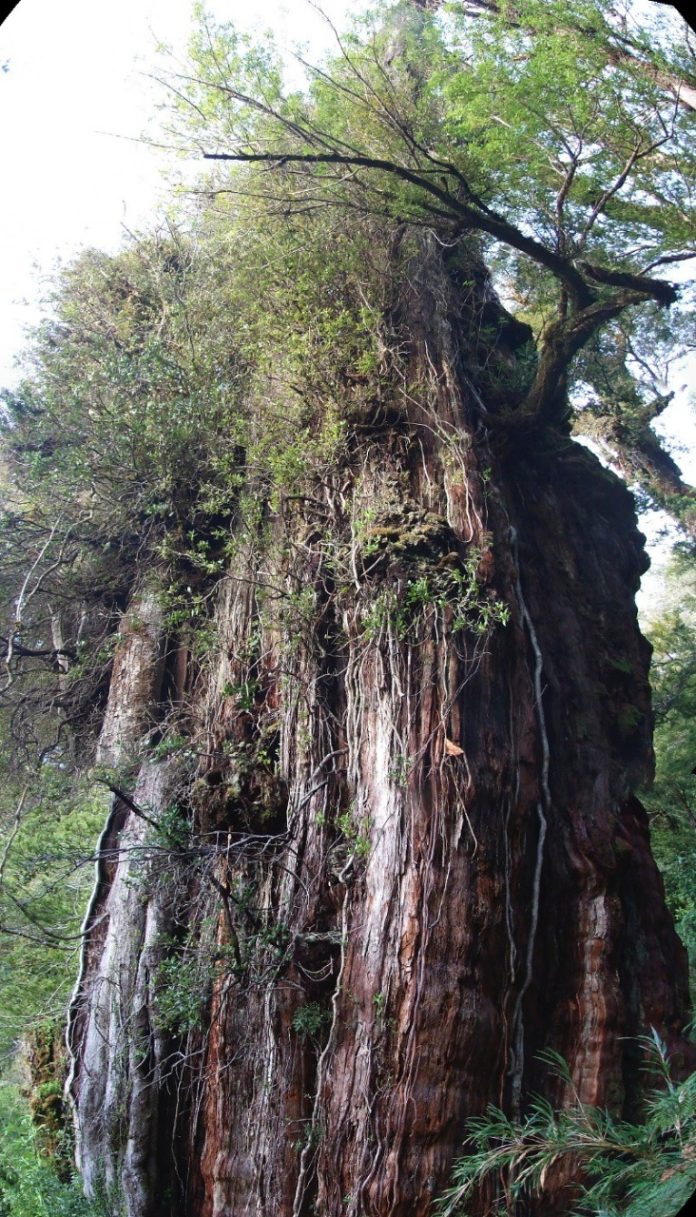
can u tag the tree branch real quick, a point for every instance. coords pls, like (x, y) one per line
(660, 289)
(563, 340)
(502, 230)
(17, 648)
(126, 799)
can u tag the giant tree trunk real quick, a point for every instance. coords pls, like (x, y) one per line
(417, 857)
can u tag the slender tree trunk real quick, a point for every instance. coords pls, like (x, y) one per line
(420, 746)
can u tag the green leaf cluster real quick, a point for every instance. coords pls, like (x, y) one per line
(619, 1169)
(672, 799)
(47, 840)
(29, 1186)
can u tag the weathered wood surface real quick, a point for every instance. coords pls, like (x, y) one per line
(453, 850)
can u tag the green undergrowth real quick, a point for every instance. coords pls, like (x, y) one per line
(29, 1184)
(671, 800)
(47, 873)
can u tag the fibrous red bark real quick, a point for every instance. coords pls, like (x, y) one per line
(417, 844)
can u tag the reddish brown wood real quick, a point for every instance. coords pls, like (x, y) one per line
(456, 856)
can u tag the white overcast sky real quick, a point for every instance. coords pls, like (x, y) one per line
(74, 100)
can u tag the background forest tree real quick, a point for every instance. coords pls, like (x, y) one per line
(189, 391)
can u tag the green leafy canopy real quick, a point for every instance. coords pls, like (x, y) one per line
(559, 134)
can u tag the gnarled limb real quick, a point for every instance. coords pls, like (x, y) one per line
(562, 341)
